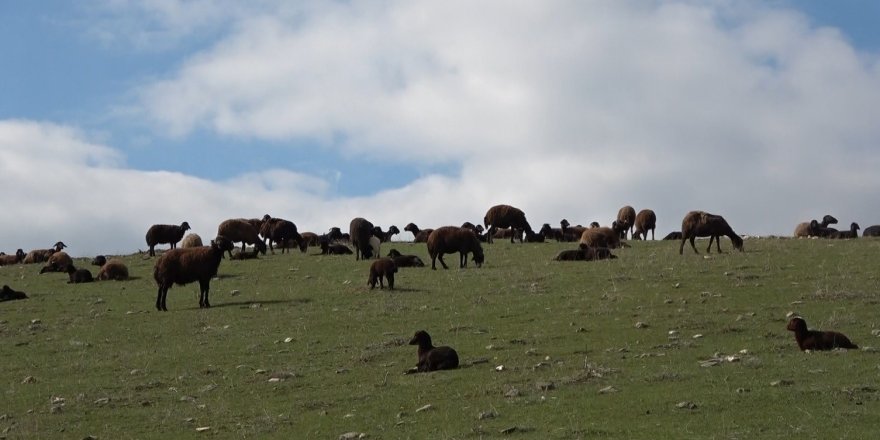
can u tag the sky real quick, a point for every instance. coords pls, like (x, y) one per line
(119, 114)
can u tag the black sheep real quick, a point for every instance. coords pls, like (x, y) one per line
(79, 275)
(405, 260)
(433, 358)
(817, 340)
(159, 234)
(183, 266)
(7, 294)
(383, 268)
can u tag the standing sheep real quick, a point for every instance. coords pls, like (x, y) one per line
(382, 268)
(701, 224)
(7, 260)
(505, 216)
(282, 232)
(385, 236)
(450, 239)
(646, 221)
(41, 255)
(360, 230)
(183, 266)
(191, 240)
(239, 230)
(626, 219)
(159, 234)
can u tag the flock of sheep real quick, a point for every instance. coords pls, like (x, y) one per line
(194, 261)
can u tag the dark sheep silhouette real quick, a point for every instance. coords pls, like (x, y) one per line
(112, 270)
(241, 230)
(183, 266)
(817, 340)
(283, 232)
(871, 231)
(160, 234)
(505, 216)
(58, 262)
(419, 235)
(328, 248)
(585, 253)
(360, 230)
(450, 239)
(382, 268)
(852, 233)
(433, 358)
(79, 275)
(7, 294)
(674, 235)
(646, 221)
(702, 224)
(405, 260)
(601, 237)
(814, 228)
(626, 219)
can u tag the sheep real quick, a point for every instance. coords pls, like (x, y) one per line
(335, 234)
(375, 243)
(99, 260)
(191, 240)
(419, 235)
(7, 294)
(571, 233)
(78, 275)
(282, 231)
(674, 235)
(115, 270)
(382, 268)
(159, 234)
(41, 255)
(449, 239)
(812, 228)
(253, 254)
(433, 358)
(645, 220)
(360, 230)
(852, 233)
(58, 262)
(550, 232)
(871, 231)
(817, 340)
(626, 218)
(702, 224)
(385, 236)
(585, 253)
(478, 229)
(505, 216)
(534, 237)
(405, 260)
(235, 230)
(328, 248)
(601, 237)
(310, 238)
(7, 260)
(183, 266)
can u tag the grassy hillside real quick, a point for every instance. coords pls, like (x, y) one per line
(298, 345)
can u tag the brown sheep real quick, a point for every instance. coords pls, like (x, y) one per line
(41, 255)
(505, 216)
(419, 235)
(282, 232)
(450, 239)
(601, 237)
(58, 262)
(382, 268)
(571, 233)
(701, 224)
(328, 248)
(191, 241)
(810, 229)
(7, 260)
(433, 358)
(852, 233)
(240, 230)
(115, 270)
(7, 294)
(360, 230)
(626, 219)
(78, 275)
(405, 260)
(310, 238)
(817, 340)
(159, 234)
(183, 266)
(646, 221)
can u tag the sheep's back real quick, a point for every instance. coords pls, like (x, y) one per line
(238, 230)
(505, 216)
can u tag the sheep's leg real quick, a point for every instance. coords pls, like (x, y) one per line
(681, 248)
(204, 286)
(440, 257)
(490, 233)
(391, 281)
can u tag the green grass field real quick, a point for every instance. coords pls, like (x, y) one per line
(303, 348)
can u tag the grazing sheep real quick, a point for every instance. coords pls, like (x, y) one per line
(282, 232)
(505, 216)
(328, 248)
(239, 230)
(419, 235)
(870, 231)
(601, 237)
(817, 340)
(7, 260)
(382, 268)
(852, 233)
(433, 358)
(7, 294)
(626, 219)
(79, 275)
(191, 240)
(674, 235)
(449, 239)
(115, 270)
(41, 255)
(646, 221)
(702, 224)
(58, 262)
(405, 260)
(310, 238)
(360, 230)
(159, 234)
(183, 266)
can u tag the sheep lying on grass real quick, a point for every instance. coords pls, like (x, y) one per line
(183, 266)
(817, 340)
(601, 237)
(114, 270)
(159, 234)
(585, 253)
(7, 294)
(7, 260)
(41, 255)
(79, 275)
(450, 239)
(328, 248)
(433, 358)
(58, 262)
(871, 231)
(814, 228)
(191, 241)
(405, 260)
(852, 233)
(383, 268)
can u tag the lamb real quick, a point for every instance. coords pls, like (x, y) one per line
(626, 219)
(433, 358)
(505, 216)
(235, 230)
(852, 233)
(701, 224)
(58, 262)
(183, 266)
(7, 294)
(41, 255)
(405, 260)
(79, 275)
(99, 260)
(645, 220)
(382, 268)
(328, 248)
(585, 253)
(191, 241)
(282, 231)
(360, 230)
(8, 260)
(159, 234)
(601, 237)
(375, 242)
(817, 340)
(449, 239)
(870, 231)
(114, 270)
(419, 235)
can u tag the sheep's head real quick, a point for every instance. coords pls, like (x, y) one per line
(411, 227)
(479, 257)
(421, 338)
(545, 229)
(829, 220)
(796, 324)
(184, 226)
(59, 245)
(564, 223)
(222, 243)
(393, 230)
(100, 260)
(394, 253)
(737, 242)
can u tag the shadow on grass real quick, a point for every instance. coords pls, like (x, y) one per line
(398, 289)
